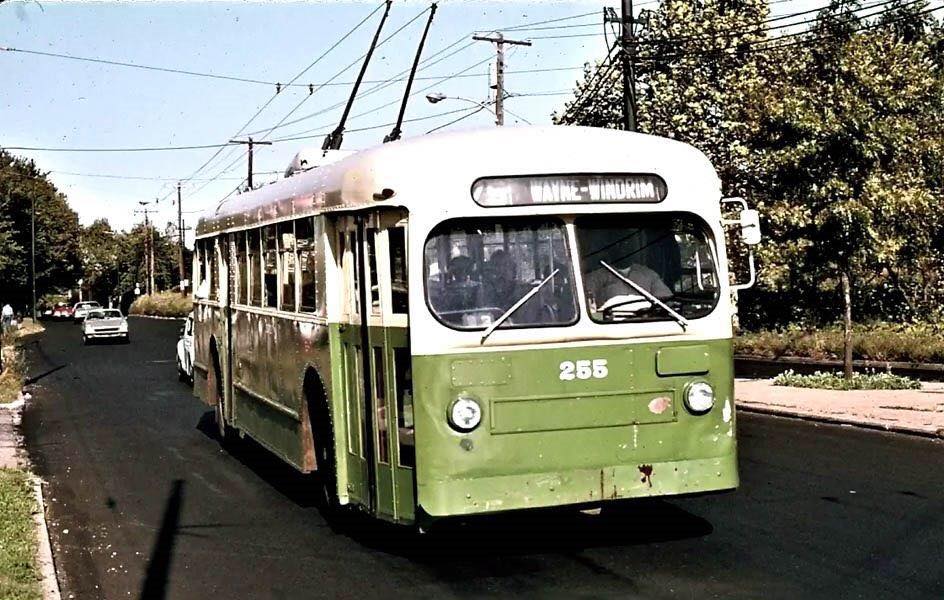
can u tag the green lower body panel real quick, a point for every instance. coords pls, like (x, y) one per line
(573, 425)
(536, 490)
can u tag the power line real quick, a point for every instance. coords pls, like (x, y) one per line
(137, 149)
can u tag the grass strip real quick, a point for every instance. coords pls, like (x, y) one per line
(836, 381)
(19, 578)
(164, 304)
(891, 342)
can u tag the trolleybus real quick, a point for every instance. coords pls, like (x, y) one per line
(479, 321)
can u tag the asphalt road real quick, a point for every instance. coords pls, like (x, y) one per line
(144, 503)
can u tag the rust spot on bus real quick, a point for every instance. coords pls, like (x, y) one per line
(646, 471)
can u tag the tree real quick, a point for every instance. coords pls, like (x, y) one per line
(697, 77)
(22, 186)
(846, 159)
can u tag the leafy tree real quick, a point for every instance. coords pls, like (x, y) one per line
(844, 154)
(696, 78)
(22, 186)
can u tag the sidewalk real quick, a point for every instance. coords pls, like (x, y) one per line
(918, 412)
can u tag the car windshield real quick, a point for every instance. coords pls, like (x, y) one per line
(478, 269)
(111, 314)
(95, 314)
(665, 257)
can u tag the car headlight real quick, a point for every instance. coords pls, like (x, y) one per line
(465, 414)
(699, 397)
(123, 327)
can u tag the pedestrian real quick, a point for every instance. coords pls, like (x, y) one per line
(7, 314)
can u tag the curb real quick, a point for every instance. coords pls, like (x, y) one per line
(46, 564)
(778, 412)
(158, 318)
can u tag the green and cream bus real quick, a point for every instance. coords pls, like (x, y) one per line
(477, 322)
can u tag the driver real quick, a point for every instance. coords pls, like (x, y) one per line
(603, 285)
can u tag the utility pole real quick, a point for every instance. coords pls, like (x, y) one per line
(249, 142)
(628, 39)
(499, 40)
(33, 254)
(148, 249)
(180, 241)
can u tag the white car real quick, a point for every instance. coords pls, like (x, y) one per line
(81, 310)
(105, 323)
(185, 351)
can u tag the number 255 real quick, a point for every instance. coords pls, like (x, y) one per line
(583, 369)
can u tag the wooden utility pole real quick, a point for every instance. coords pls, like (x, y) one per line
(499, 40)
(249, 142)
(148, 249)
(628, 39)
(180, 242)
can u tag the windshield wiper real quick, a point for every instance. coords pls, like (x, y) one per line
(682, 321)
(516, 306)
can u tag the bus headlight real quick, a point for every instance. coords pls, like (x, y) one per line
(465, 414)
(699, 397)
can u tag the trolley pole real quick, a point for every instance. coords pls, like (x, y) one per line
(250, 143)
(499, 40)
(628, 39)
(180, 242)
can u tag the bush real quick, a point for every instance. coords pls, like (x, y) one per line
(885, 342)
(836, 381)
(164, 304)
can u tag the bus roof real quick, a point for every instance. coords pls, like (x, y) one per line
(451, 162)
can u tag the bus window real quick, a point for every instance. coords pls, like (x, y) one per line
(254, 268)
(372, 271)
(404, 391)
(213, 266)
(242, 283)
(669, 256)
(477, 269)
(288, 264)
(398, 277)
(197, 265)
(307, 263)
(270, 277)
(380, 395)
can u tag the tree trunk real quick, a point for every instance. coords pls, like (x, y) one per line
(847, 326)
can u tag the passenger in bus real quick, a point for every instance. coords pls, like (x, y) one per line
(461, 291)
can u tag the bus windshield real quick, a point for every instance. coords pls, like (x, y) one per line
(666, 258)
(478, 269)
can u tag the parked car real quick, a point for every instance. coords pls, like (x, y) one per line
(81, 309)
(62, 311)
(185, 351)
(105, 323)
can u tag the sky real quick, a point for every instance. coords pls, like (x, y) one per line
(58, 103)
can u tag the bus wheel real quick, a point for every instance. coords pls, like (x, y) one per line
(215, 384)
(322, 430)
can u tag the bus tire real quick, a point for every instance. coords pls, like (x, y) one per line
(224, 432)
(322, 430)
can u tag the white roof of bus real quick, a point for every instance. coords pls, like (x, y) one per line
(451, 162)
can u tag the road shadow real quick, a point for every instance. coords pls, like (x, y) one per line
(278, 474)
(34, 378)
(486, 538)
(162, 554)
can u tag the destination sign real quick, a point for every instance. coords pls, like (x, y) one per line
(568, 189)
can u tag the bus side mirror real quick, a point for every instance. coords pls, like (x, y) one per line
(749, 220)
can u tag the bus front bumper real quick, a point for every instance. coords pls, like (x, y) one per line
(578, 487)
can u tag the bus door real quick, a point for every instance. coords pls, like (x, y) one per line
(377, 363)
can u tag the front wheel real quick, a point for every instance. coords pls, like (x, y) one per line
(85, 340)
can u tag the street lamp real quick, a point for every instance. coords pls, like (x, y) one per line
(439, 97)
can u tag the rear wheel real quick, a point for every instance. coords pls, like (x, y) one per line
(322, 430)
(224, 432)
